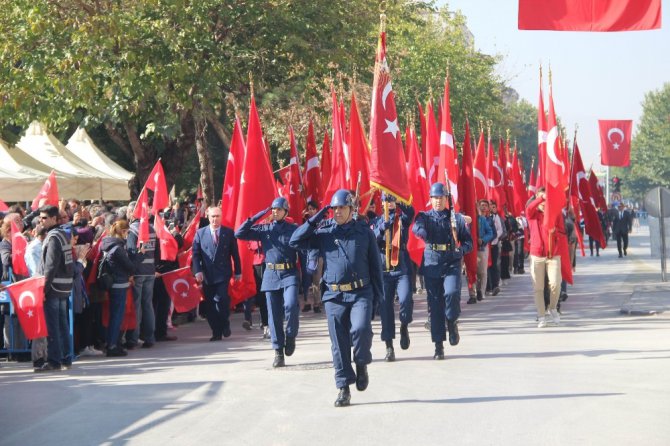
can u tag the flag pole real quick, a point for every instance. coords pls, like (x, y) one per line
(572, 164)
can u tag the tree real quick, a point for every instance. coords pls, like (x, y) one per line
(650, 153)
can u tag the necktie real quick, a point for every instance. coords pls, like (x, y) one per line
(620, 215)
(216, 237)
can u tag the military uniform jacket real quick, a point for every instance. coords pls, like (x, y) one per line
(434, 228)
(378, 227)
(350, 254)
(215, 260)
(57, 264)
(274, 238)
(145, 264)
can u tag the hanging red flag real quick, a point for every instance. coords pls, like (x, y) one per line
(183, 289)
(338, 171)
(590, 15)
(480, 170)
(48, 194)
(597, 192)
(19, 244)
(142, 212)
(419, 186)
(28, 300)
(554, 173)
(359, 157)
(257, 190)
(326, 168)
(499, 178)
(469, 204)
(388, 169)
(156, 183)
(615, 138)
(184, 258)
(432, 146)
(312, 172)
(3, 206)
(296, 203)
(168, 244)
(448, 155)
(189, 233)
(582, 190)
(520, 197)
(231, 181)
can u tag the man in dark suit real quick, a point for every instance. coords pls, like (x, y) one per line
(622, 225)
(214, 256)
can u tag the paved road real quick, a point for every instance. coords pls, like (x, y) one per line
(599, 379)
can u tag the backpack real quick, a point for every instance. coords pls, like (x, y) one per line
(104, 278)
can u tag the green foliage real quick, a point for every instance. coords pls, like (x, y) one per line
(650, 150)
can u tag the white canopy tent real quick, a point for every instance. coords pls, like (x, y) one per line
(24, 168)
(82, 146)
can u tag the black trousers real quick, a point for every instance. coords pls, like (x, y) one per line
(621, 237)
(493, 272)
(161, 301)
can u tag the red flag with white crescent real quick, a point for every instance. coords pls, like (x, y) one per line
(168, 244)
(582, 190)
(19, 244)
(480, 169)
(554, 170)
(295, 199)
(231, 181)
(615, 139)
(388, 169)
(28, 299)
(448, 155)
(432, 142)
(312, 172)
(183, 289)
(48, 194)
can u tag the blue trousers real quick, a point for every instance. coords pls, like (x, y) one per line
(444, 301)
(217, 307)
(386, 307)
(283, 306)
(143, 298)
(117, 308)
(58, 347)
(349, 324)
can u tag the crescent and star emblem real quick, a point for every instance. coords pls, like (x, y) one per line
(480, 176)
(184, 292)
(581, 176)
(26, 295)
(552, 136)
(613, 131)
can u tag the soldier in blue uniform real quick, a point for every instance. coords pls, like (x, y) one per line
(397, 277)
(442, 265)
(351, 283)
(280, 279)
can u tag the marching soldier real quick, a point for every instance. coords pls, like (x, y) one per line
(397, 272)
(447, 240)
(351, 283)
(280, 279)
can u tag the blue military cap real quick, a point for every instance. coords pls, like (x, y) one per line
(437, 190)
(388, 197)
(342, 197)
(280, 203)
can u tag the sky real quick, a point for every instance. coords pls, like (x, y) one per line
(596, 75)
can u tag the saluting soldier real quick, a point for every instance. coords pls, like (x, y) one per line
(442, 264)
(351, 283)
(396, 272)
(280, 279)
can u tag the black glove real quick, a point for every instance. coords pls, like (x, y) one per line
(260, 215)
(316, 219)
(387, 224)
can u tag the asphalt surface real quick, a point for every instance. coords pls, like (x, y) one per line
(601, 378)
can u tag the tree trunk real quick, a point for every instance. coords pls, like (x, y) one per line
(177, 151)
(205, 161)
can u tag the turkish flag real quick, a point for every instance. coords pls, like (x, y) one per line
(168, 244)
(156, 183)
(590, 15)
(388, 170)
(554, 171)
(469, 204)
(231, 180)
(142, 212)
(296, 202)
(480, 170)
(615, 138)
(257, 190)
(48, 194)
(582, 190)
(432, 149)
(3, 206)
(338, 171)
(184, 258)
(448, 156)
(419, 185)
(520, 196)
(19, 244)
(326, 168)
(359, 157)
(500, 179)
(541, 141)
(189, 233)
(312, 173)
(597, 192)
(28, 299)
(183, 289)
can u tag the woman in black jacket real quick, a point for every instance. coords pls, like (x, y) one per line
(122, 270)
